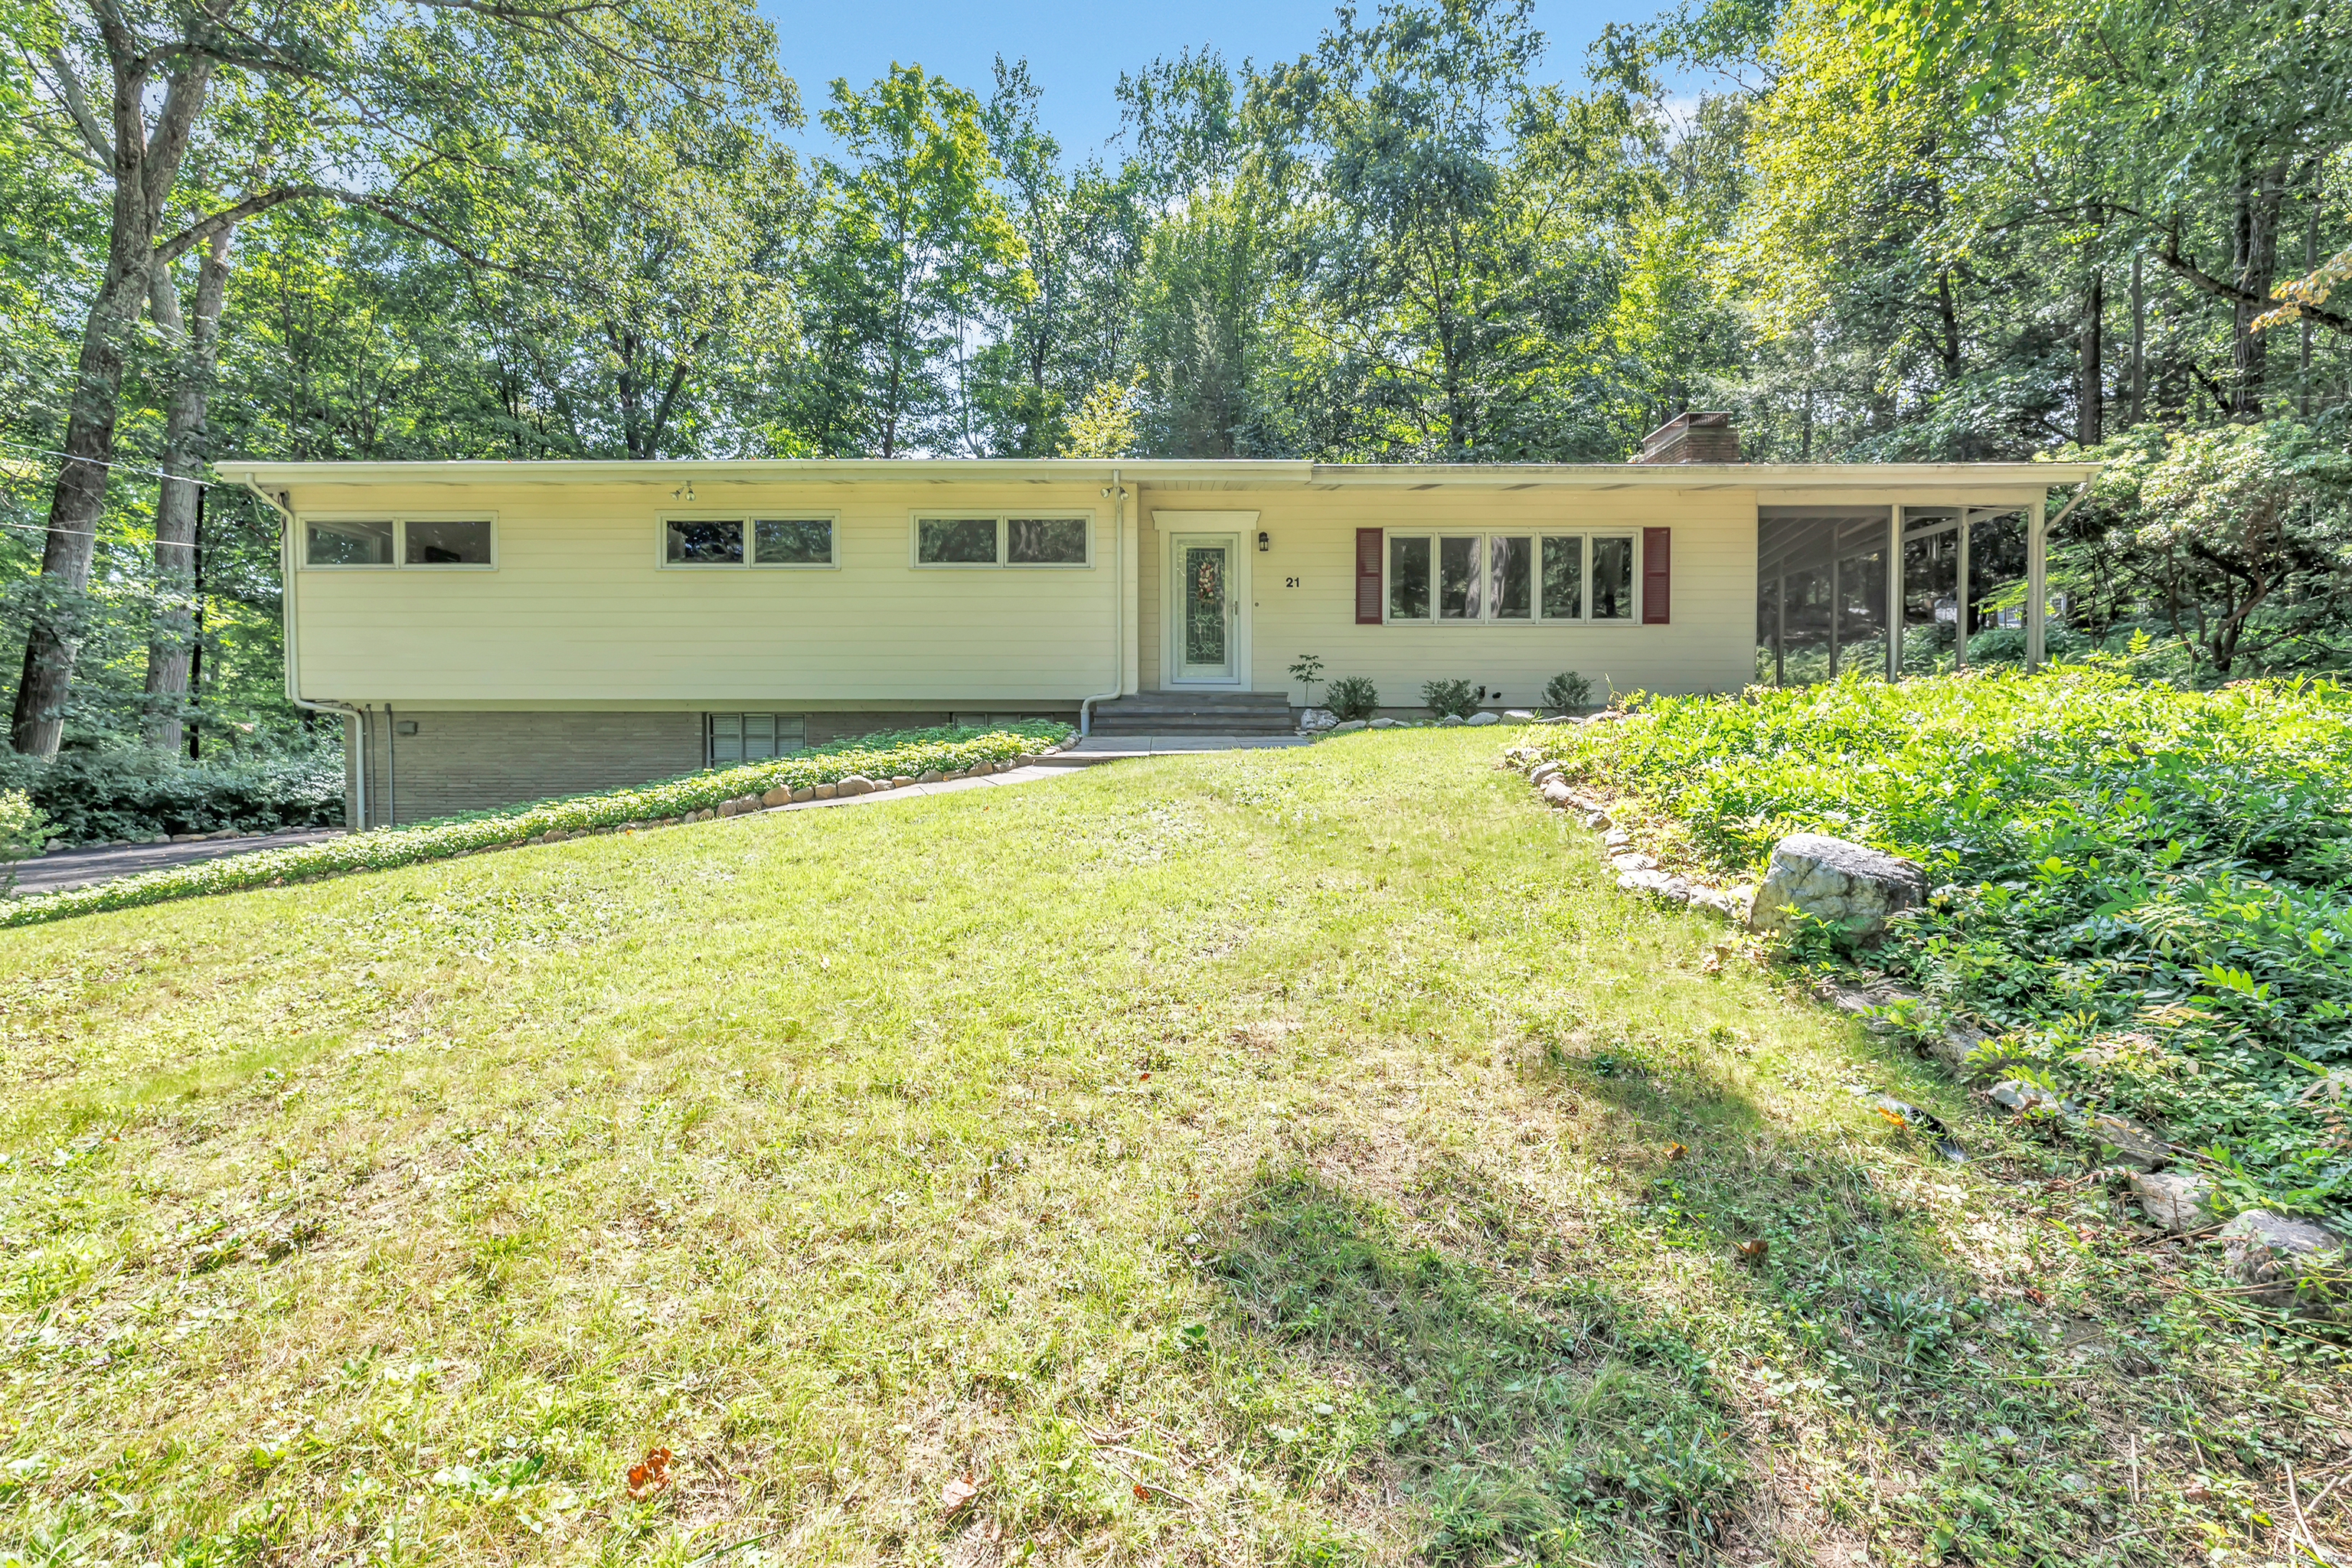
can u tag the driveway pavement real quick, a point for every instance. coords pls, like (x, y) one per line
(63, 869)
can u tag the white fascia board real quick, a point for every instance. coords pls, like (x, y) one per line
(1763, 477)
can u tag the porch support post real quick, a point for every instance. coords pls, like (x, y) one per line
(1960, 601)
(2037, 582)
(1780, 630)
(1894, 592)
(1837, 599)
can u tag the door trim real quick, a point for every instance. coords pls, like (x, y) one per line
(1240, 527)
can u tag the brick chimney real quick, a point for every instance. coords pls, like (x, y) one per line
(1692, 438)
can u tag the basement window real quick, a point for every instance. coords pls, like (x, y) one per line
(749, 737)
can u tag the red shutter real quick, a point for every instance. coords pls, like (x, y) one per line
(1367, 576)
(1657, 577)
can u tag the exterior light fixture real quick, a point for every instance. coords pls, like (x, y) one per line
(1265, 541)
(684, 492)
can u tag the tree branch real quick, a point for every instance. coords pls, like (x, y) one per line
(69, 90)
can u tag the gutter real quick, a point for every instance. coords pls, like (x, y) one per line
(288, 544)
(1117, 494)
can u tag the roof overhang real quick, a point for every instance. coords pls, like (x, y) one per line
(1228, 474)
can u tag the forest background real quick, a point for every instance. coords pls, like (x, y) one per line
(389, 229)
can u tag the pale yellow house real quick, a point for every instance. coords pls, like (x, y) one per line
(495, 632)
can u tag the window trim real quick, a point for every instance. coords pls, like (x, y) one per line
(748, 518)
(400, 521)
(1002, 518)
(1486, 617)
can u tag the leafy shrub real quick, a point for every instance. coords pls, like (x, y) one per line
(22, 830)
(1352, 697)
(92, 797)
(2148, 888)
(1453, 696)
(945, 751)
(1567, 690)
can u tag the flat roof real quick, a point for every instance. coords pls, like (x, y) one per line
(1222, 473)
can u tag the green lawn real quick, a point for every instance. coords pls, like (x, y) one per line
(1282, 1157)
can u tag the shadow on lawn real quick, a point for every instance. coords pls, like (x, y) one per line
(1523, 1392)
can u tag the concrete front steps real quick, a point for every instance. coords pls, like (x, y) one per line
(1203, 713)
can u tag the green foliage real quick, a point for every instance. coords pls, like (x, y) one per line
(1352, 697)
(1444, 697)
(1567, 691)
(908, 754)
(1307, 670)
(135, 793)
(23, 829)
(2147, 890)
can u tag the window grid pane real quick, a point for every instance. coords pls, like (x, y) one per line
(1457, 578)
(1612, 579)
(447, 544)
(1407, 578)
(1045, 540)
(366, 543)
(1510, 569)
(792, 542)
(956, 541)
(705, 543)
(1563, 577)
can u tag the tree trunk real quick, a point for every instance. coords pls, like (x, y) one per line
(186, 446)
(144, 170)
(2256, 259)
(2090, 382)
(2138, 343)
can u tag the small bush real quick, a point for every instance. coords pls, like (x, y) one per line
(1453, 696)
(22, 830)
(1566, 691)
(1352, 697)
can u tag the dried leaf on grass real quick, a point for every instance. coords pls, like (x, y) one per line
(649, 1475)
(958, 1492)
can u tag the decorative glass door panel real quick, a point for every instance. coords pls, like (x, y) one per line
(1205, 609)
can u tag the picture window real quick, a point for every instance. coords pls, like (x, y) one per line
(1511, 577)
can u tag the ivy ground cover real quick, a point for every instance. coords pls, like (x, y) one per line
(2147, 890)
(1271, 1158)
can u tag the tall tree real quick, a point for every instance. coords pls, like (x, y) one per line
(913, 248)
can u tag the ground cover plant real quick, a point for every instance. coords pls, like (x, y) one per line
(119, 793)
(894, 753)
(2145, 890)
(1269, 1158)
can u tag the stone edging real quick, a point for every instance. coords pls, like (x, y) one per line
(2279, 1259)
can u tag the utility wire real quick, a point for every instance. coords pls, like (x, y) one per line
(110, 463)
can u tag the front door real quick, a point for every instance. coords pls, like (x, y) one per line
(1206, 611)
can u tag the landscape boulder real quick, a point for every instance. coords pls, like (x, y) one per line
(781, 795)
(1851, 886)
(855, 784)
(2173, 1199)
(1319, 719)
(2277, 1255)
(1381, 723)
(1554, 791)
(1483, 717)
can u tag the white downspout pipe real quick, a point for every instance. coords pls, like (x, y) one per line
(1118, 495)
(288, 546)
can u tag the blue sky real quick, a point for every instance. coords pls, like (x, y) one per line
(1075, 50)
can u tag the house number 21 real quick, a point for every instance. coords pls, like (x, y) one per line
(1290, 582)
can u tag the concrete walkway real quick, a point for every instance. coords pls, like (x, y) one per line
(64, 868)
(1104, 748)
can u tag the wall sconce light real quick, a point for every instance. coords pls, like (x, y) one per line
(1264, 541)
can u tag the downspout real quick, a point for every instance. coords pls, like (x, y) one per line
(288, 576)
(1117, 608)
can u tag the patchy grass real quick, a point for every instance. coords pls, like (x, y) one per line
(1287, 1158)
